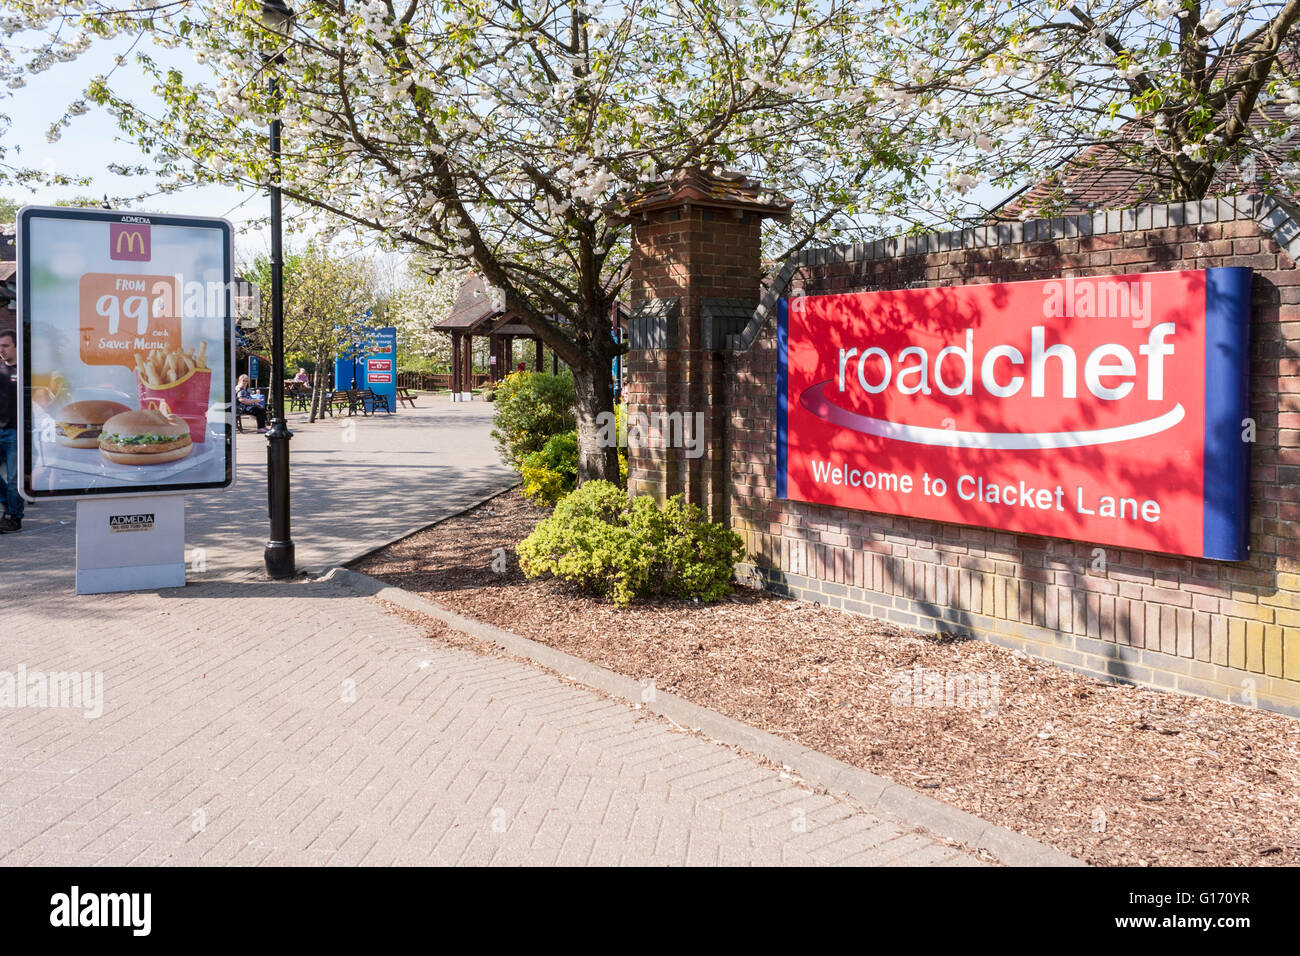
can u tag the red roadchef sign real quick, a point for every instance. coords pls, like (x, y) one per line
(1107, 409)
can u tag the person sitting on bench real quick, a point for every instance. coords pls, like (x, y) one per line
(248, 403)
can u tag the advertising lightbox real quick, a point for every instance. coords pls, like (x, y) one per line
(1104, 409)
(125, 352)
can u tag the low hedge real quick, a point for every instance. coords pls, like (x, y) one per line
(599, 541)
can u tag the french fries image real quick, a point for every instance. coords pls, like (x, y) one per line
(176, 382)
(158, 369)
(48, 390)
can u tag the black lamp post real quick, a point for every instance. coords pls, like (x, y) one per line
(279, 553)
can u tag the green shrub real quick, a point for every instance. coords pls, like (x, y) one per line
(699, 556)
(551, 473)
(599, 541)
(530, 408)
(489, 396)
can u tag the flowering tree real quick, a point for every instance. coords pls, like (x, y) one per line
(490, 134)
(325, 294)
(1171, 93)
(413, 309)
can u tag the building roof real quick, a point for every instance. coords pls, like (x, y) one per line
(473, 306)
(1102, 177)
(473, 312)
(714, 189)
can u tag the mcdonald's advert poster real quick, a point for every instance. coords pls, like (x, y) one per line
(1105, 409)
(125, 352)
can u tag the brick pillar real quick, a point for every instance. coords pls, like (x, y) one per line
(696, 271)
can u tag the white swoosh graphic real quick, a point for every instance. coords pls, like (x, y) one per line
(816, 402)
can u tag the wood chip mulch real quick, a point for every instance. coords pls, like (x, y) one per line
(1111, 774)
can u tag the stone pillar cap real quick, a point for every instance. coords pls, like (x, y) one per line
(710, 188)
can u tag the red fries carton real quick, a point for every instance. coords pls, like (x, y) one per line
(186, 397)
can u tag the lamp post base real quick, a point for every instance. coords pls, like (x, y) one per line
(279, 553)
(279, 557)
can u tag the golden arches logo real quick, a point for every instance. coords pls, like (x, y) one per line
(132, 237)
(128, 241)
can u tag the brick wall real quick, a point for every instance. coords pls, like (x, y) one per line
(1227, 630)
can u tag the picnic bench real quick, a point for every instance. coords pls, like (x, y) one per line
(405, 395)
(298, 395)
(368, 397)
(352, 399)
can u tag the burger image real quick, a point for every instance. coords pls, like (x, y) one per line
(145, 437)
(79, 424)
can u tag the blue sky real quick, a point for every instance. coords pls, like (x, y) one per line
(93, 141)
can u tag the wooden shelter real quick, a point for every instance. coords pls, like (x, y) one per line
(474, 314)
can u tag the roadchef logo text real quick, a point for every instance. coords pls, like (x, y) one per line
(1110, 372)
(130, 522)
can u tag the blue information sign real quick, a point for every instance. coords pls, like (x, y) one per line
(371, 363)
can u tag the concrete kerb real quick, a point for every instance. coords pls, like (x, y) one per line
(872, 792)
(323, 570)
(319, 572)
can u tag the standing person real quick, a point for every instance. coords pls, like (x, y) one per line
(13, 501)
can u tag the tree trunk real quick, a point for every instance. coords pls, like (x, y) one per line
(595, 391)
(317, 390)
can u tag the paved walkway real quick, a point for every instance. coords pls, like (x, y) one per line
(256, 723)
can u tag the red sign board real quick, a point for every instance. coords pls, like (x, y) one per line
(379, 365)
(1106, 409)
(380, 378)
(129, 241)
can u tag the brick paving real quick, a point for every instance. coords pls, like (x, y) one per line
(246, 722)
